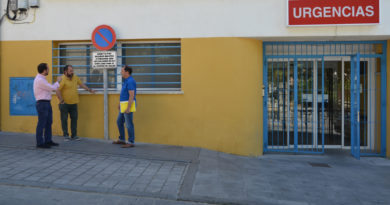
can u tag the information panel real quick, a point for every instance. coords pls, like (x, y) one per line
(104, 59)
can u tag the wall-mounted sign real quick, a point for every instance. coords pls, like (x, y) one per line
(104, 59)
(103, 37)
(21, 97)
(332, 12)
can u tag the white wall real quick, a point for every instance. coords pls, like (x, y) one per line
(141, 19)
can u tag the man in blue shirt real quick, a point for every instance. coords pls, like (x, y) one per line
(127, 98)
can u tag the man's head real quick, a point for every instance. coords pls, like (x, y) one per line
(43, 69)
(126, 71)
(68, 71)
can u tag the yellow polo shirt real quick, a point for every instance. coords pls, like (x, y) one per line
(68, 88)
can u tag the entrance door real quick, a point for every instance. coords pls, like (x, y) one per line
(294, 110)
(337, 113)
(355, 106)
(321, 95)
(334, 97)
(337, 72)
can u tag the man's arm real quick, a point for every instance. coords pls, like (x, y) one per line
(87, 88)
(59, 96)
(131, 99)
(58, 93)
(47, 86)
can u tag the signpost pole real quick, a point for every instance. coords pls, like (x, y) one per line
(104, 38)
(105, 81)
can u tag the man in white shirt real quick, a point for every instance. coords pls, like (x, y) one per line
(42, 93)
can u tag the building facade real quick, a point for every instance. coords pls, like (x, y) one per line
(242, 77)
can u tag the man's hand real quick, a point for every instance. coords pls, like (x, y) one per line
(92, 91)
(59, 78)
(127, 110)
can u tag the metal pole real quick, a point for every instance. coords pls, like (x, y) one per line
(105, 82)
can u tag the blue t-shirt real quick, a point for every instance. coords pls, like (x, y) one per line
(127, 85)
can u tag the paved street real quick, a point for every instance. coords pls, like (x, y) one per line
(86, 172)
(97, 172)
(24, 195)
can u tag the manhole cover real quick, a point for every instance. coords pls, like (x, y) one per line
(319, 164)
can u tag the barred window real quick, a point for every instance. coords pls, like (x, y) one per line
(79, 56)
(156, 66)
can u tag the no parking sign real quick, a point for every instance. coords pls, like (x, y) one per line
(103, 37)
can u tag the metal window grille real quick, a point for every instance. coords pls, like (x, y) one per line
(156, 66)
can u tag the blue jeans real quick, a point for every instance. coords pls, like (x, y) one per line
(45, 119)
(128, 119)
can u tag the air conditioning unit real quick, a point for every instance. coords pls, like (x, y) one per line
(34, 3)
(22, 5)
(13, 5)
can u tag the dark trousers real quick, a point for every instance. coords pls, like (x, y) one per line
(45, 119)
(69, 109)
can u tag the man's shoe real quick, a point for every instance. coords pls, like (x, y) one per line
(52, 143)
(128, 145)
(75, 138)
(118, 142)
(66, 138)
(44, 146)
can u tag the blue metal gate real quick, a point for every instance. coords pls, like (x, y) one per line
(294, 114)
(299, 97)
(355, 105)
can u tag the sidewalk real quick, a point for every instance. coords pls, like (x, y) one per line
(158, 174)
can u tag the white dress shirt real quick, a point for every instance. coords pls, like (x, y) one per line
(42, 88)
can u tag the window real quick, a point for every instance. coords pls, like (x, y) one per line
(79, 56)
(156, 66)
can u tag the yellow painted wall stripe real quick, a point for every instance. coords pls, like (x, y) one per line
(221, 108)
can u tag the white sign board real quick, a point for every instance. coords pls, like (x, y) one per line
(104, 59)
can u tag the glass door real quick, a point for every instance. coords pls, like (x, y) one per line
(338, 98)
(336, 101)
(293, 108)
(333, 101)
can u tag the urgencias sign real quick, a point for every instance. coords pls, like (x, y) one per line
(332, 12)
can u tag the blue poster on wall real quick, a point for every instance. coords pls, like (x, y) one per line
(21, 96)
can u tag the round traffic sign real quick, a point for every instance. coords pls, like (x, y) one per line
(103, 37)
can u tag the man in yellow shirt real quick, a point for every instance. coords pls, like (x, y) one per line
(69, 97)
